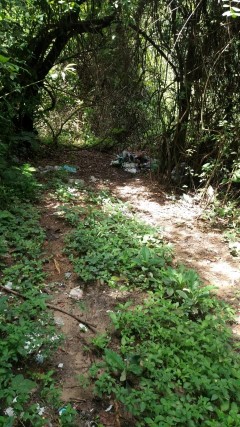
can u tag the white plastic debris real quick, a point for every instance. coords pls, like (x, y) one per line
(109, 408)
(61, 411)
(83, 327)
(39, 358)
(40, 410)
(9, 411)
(9, 285)
(60, 365)
(76, 293)
(130, 170)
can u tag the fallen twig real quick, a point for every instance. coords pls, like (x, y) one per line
(53, 307)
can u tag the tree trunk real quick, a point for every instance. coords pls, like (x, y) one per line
(45, 49)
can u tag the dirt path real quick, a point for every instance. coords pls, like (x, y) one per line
(195, 244)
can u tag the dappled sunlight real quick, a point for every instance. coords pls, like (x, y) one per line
(181, 219)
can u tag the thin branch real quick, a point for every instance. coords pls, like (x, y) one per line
(53, 307)
(155, 45)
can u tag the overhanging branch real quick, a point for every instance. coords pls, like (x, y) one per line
(155, 45)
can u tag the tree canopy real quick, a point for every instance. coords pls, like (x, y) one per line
(152, 74)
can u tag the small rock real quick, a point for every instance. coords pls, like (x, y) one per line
(93, 179)
(59, 321)
(76, 293)
(68, 275)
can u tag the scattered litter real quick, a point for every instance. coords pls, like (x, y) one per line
(83, 327)
(39, 358)
(59, 321)
(40, 410)
(93, 179)
(62, 411)
(9, 286)
(67, 168)
(60, 365)
(109, 408)
(76, 293)
(9, 411)
(134, 162)
(130, 167)
(68, 275)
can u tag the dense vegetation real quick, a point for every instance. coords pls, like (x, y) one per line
(162, 76)
(152, 75)
(175, 364)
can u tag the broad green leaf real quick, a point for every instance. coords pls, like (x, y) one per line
(4, 59)
(225, 406)
(214, 397)
(170, 291)
(182, 294)
(114, 360)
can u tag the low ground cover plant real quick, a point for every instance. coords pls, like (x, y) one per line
(175, 363)
(112, 246)
(27, 333)
(171, 370)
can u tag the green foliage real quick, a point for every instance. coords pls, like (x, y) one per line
(232, 11)
(115, 248)
(176, 364)
(68, 416)
(16, 180)
(171, 370)
(101, 340)
(184, 287)
(27, 332)
(227, 213)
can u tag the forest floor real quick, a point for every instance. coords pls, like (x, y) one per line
(196, 243)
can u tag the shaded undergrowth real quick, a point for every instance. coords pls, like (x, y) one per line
(28, 335)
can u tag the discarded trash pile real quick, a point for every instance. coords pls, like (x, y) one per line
(134, 162)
